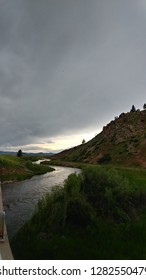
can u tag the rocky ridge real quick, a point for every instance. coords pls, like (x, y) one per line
(122, 141)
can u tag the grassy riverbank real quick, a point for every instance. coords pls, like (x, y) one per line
(100, 214)
(135, 175)
(13, 168)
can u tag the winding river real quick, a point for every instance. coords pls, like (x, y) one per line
(20, 198)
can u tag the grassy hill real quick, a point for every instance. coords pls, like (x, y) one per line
(122, 141)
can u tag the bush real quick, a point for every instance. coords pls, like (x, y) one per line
(105, 159)
(107, 191)
(72, 184)
(49, 213)
(79, 213)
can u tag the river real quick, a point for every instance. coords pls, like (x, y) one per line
(20, 198)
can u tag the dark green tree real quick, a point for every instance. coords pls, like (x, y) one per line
(19, 154)
(83, 141)
(144, 106)
(133, 109)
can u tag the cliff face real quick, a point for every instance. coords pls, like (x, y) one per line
(121, 141)
(126, 126)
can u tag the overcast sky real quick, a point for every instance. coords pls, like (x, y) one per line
(67, 68)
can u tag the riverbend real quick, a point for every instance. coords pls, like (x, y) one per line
(20, 198)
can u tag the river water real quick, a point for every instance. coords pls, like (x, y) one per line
(20, 198)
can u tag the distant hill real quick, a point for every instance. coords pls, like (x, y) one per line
(122, 141)
(7, 153)
(33, 154)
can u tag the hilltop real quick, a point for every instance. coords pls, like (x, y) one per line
(122, 141)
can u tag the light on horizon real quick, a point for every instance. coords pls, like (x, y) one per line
(57, 144)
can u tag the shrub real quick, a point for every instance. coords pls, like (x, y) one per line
(105, 159)
(106, 191)
(72, 184)
(79, 213)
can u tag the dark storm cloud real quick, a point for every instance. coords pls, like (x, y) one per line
(68, 65)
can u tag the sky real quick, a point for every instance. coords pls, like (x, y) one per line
(67, 68)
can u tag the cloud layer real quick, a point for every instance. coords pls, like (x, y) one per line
(68, 67)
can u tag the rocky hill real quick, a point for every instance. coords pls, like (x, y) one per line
(122, 141)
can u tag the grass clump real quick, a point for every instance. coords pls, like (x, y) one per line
(38, 169)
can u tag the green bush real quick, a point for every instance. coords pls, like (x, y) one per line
(107, 191)
(79, 213)
(72, 184)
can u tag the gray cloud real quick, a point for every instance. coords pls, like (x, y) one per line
(68, 66)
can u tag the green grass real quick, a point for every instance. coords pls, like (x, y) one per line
(38, 169)
(135, 175)
(97, 215)
(108, 241)
(9, 161)
(13, 168)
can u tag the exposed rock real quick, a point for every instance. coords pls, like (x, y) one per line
(123, 140)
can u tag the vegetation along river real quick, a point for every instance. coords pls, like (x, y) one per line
(20, 198)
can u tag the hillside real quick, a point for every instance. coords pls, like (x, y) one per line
(122, 141)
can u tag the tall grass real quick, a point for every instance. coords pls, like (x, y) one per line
(95, 216)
